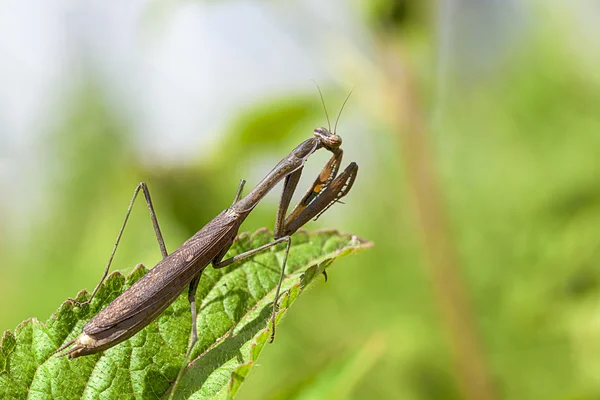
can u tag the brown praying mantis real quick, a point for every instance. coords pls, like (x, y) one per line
(145, 300)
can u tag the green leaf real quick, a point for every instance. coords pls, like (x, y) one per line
(234, 306)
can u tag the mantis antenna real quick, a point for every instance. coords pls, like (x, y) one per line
(341, 109)
(324, 107)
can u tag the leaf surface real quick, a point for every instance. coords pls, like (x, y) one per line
(234, 306)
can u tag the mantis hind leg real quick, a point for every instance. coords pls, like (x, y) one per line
(161, 243)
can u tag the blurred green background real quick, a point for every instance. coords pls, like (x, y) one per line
(476, 128)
